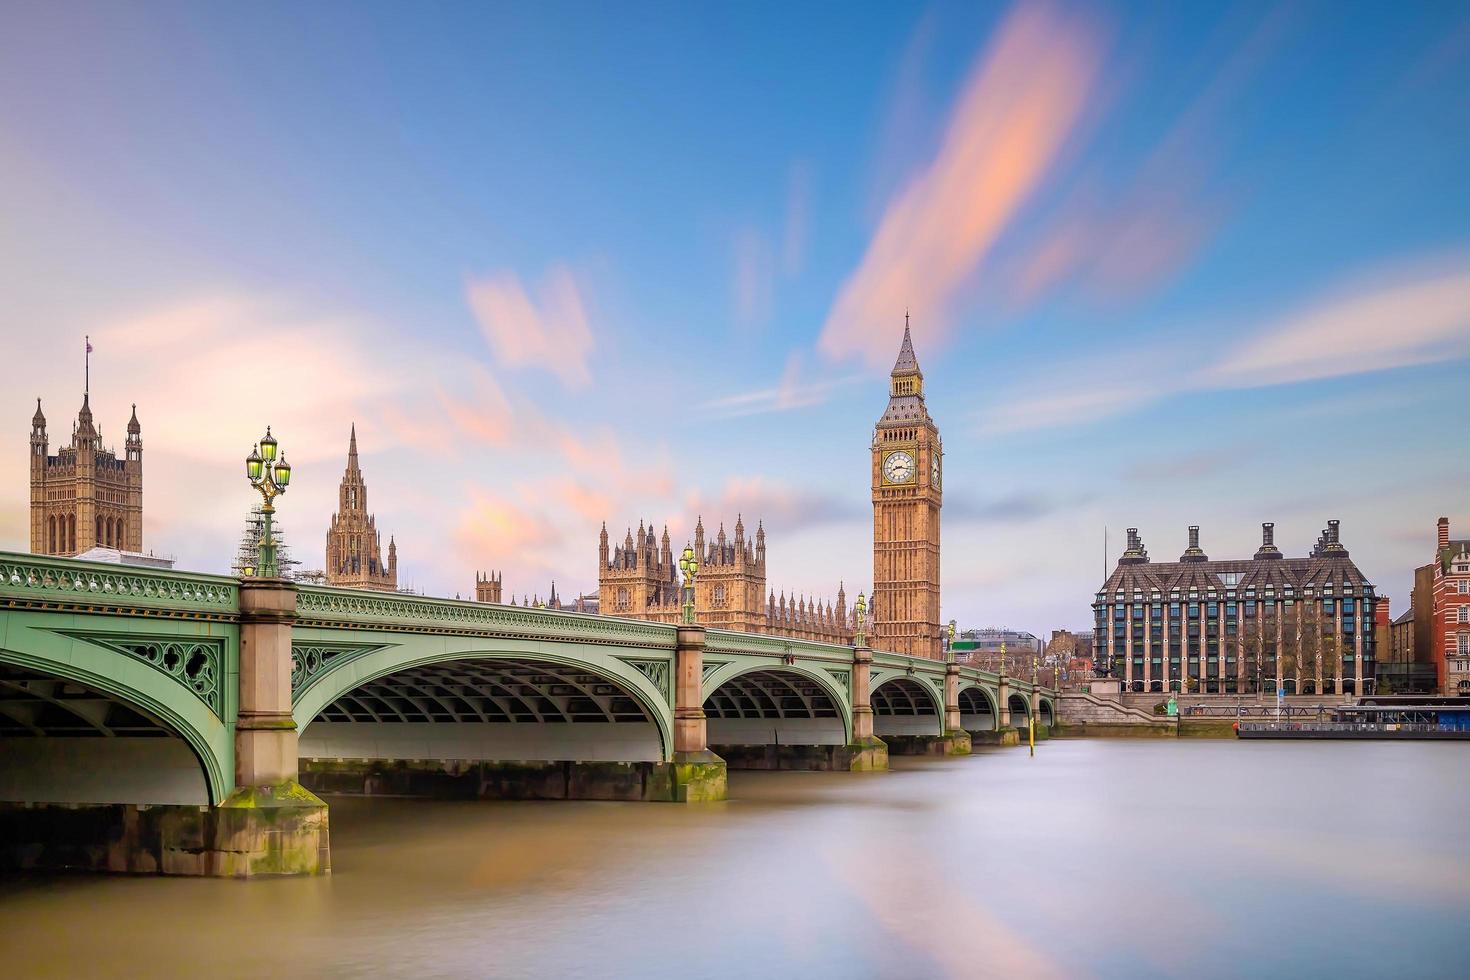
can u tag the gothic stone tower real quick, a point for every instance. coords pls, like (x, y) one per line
(85, 497)
(354, 547)
(639, 579)
(730, 590)
(907, 464)
(487, 587)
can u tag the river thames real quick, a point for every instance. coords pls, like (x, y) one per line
(1095, 858)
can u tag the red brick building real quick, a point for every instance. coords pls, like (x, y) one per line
(1450, 632)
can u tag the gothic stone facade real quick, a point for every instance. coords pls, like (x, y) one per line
(354, 546)
(84, 496)
(640, 579)
(907, 470)
(1304, 625)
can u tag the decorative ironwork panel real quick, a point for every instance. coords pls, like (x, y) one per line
(310, 660)
(196, 663)
(657, 671)
(844, 680)
(31, 577)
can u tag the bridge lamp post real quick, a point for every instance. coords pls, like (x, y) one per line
(949, 647)
(860, 635)
(689, 565)
(271, 476)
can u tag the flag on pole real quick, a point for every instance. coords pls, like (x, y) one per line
(89, 345)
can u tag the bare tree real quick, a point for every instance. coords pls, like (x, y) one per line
(1251, 646)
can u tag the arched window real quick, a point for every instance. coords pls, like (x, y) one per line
(51, 534)
(71, 532)
(98, 539)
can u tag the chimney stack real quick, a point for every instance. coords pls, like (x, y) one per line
(1194, 552)
(1268, 547)
(1443, 540)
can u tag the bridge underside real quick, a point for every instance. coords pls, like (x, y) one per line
(908, 716)
(781, 719)
(976, 713)
(62, 742)
(1020, 712)
(506, 728)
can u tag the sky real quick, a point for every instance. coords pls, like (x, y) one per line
(1166, 264)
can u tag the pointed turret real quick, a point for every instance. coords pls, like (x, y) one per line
(352, 464)
(602, 546)
(906, 363)
(39, 419)
(905, 387)
(86, 431)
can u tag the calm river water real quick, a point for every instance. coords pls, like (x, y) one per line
(1095, 858)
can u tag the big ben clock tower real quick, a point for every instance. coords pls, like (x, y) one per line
(907, 472)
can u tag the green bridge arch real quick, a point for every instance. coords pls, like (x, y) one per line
(359, 658)
(108, 654)
(825, 679)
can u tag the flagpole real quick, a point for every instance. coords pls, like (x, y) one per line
(87, 378)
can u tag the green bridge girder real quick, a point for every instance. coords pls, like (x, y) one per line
(167, 643)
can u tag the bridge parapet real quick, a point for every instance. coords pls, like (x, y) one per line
(357, 609)
(34, 581)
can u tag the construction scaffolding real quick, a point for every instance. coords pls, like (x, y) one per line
(248, 553)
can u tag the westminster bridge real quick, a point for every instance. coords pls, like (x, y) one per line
(159, 721)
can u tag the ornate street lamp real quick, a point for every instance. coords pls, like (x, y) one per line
(949, 647)
(860, 638)
(1002, 656)
(271, 476)
(689, 565)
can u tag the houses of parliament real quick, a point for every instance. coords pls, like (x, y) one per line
(640, 578)
(86, 497)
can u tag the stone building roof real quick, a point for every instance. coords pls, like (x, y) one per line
(1329, 564)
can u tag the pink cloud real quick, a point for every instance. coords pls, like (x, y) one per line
(493, 531)
(1121, 242)
(550, 332)
(486, 417)
(1023, 99)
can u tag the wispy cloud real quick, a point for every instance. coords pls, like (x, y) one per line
(794, 390)
(550, 332)
(783, 508)
(1410, 314)
(1119, 242)
(1420, 315)
(754, 279)
(1022, 101)
(798, 219)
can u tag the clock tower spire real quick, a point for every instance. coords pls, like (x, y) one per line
(907, 460)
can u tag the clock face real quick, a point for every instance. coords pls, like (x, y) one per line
(934, 469)
(898, 467)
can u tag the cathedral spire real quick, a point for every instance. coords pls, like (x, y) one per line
(352, 466)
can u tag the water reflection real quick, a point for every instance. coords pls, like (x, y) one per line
(1095, 858)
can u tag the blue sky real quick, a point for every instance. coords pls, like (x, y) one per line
(571, 262)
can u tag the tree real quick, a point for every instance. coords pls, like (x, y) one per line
(1309, 644)
(1251, 646)
(1332, 662)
